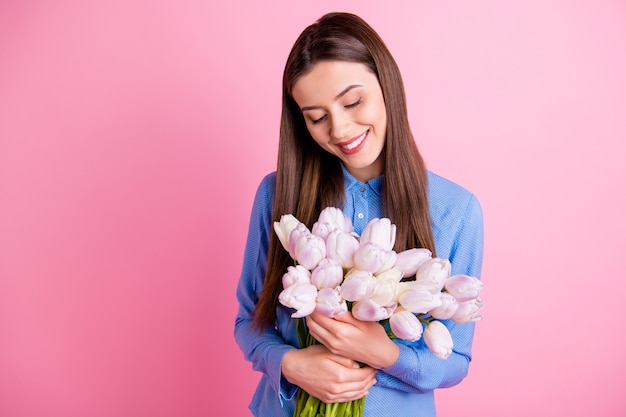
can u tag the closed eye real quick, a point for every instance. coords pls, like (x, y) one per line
(347, 106)
(353, 105)
(321, 119)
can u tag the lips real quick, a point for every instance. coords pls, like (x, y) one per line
(353, 145)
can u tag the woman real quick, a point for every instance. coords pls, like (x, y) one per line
(345, 142)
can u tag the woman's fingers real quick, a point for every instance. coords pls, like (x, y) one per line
(327, 376)
(365, 342)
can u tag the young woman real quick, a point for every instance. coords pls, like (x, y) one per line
(345, 142)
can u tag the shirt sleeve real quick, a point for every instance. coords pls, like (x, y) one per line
(264, 349)
(417, 368)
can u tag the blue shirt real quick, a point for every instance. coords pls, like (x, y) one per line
(406, 387)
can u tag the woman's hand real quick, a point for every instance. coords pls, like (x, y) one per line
(363, 341)
(327, 376)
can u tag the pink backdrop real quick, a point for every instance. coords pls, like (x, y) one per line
(134, 133)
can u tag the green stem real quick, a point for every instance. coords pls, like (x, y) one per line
(300, 401)
(341, 409)
(311, 406)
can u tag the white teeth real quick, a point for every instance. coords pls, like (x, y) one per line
(355, 143)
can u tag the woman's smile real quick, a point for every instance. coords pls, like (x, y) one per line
(353, 145)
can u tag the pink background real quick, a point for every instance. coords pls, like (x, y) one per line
(133, 135)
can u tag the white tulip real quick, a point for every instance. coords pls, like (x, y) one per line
(416, 299)
(406, 325)
(371, 257)
(463, 287)
(434, 271)
(296, 274)
(330, 219)
(409, 260)
(438, 339)
(359, 285)
(446, 310)
(468, 311)
(328, 274)
(301, 297)
(381, 232)
(284, 228)
(368, 310)
(330, 302)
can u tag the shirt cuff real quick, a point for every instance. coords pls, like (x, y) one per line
(406, 363)
(286, 390)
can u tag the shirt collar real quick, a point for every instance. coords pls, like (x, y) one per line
(351, 183)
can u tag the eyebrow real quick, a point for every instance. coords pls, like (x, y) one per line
(337, 97)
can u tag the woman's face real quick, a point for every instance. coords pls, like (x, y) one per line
(344, 109)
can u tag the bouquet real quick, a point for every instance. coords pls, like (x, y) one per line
(336, 271)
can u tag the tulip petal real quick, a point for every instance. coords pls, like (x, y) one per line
(330, 302)
(301, 297)
(419, 301)
(449, 306)
(468, 311)
(438, 339)
(296, 274)
(368, 310)
(328, 274)
(463, 287)
(409, 261)
(406, 325)
(284, 227)
(359, 285)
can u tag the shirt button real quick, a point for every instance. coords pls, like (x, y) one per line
(362, 190)
(360, 215)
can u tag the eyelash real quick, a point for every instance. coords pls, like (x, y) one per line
(348, 106)
(353, 105)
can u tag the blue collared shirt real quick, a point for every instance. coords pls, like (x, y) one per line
(406, 387)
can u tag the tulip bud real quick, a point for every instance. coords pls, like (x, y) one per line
(341, 246)
(368, 310)
(284, 228)
(328, 274)
(387, 292)
(446, 310)
(370, 257)
(309, 250)
(296, 274)
(330, 302)
(438, 339)
(380, 232)
(468, 311)
(301, 297)
(406, 325)
(463, 287)
(296, 233)
(332, 218)
(358, 285)
(434, 271)
(416, 299)
(393, 274)
(322, 229)
(408, 261)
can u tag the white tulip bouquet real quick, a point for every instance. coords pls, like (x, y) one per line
(336, 271)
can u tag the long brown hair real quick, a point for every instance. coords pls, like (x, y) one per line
(309, 179)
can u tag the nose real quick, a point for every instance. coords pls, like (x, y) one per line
(339, 126)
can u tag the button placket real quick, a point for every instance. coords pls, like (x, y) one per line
(360, 206)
